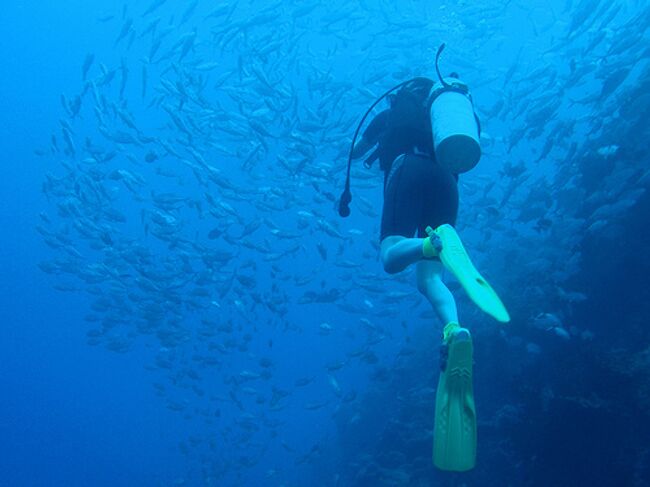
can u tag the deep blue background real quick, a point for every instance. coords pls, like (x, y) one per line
(69, 414)
(73, 415)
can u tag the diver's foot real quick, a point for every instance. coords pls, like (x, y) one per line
(454, 437)
(452, 332)
(462, 335)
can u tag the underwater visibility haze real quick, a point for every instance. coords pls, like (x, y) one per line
(183, 305)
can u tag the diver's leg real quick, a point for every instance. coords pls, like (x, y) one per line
(398, 252)
(399, 218)
(429, 277)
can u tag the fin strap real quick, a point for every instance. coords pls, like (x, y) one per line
(431, 246)
(448, 331)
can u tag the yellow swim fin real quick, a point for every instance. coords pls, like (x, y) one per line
(455, 259)
(454, 435)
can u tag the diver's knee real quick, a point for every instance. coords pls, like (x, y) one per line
(388, 261)
(389, 265)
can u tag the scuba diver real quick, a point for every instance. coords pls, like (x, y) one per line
(427, 136)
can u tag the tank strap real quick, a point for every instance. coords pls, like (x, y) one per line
(435, 93)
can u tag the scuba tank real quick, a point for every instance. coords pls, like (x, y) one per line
(454, 123)
(455, 128)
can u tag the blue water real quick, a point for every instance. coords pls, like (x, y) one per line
(172, 343)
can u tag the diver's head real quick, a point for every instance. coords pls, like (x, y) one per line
(419, 87)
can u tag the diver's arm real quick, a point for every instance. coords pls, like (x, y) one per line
(361, 147)
(371, 136)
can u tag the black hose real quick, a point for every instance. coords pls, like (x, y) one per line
(440, 49)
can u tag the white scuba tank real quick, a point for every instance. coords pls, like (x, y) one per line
(455, 126)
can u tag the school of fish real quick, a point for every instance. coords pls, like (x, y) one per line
(195, 175)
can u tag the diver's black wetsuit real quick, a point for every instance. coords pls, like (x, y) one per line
(418, 192)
